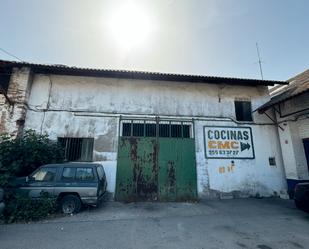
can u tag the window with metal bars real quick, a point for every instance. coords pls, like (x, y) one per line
(77, 149)
(166, 129)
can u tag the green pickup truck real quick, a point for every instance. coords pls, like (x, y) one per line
(70, 184)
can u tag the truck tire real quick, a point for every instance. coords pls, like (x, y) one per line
(70, 204)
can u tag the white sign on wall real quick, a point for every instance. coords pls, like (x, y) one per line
(228, 142)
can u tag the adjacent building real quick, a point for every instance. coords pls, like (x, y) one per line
(291, 106)
(159, 136)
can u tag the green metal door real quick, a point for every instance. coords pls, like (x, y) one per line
(137, 169)
(156, 163)
(177, 169)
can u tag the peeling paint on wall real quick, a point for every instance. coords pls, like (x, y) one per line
(90, 107)
(106, 141)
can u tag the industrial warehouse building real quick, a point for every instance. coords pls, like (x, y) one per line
(164, 137)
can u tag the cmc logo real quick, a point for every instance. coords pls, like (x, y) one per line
(230, 145)
(213, 144)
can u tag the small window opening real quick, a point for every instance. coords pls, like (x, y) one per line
(272, 161)
(243, 110)
(77, 149)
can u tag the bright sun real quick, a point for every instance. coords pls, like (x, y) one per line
(130, 26)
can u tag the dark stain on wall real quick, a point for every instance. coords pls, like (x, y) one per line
(106, 142)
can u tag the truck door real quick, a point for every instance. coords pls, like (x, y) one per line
(41, 180)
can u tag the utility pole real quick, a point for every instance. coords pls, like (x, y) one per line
(260, 62)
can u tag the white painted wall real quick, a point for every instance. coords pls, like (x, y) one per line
(249, 177)
(141, 97)
(88, 107)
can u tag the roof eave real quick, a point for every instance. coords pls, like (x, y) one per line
(267, 105)
(140, 75)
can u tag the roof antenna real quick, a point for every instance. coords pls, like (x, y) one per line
(260, 62)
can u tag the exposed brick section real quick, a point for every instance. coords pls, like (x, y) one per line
(12, 116)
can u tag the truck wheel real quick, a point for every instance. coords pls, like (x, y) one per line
(70, 204)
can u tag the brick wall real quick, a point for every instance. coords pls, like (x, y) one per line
(12, 115)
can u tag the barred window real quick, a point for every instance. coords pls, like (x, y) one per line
(77, 149)
(163, 129)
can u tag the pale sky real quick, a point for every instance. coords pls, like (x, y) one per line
(208, 37)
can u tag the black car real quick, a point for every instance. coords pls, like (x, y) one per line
(301, 196)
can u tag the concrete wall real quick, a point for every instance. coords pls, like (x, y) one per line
(90, 107)
(295, 128)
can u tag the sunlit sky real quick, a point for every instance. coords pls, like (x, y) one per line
(209, 37)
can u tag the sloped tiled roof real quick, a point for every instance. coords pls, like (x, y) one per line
(143, 75)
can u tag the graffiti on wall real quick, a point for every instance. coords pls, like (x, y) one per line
(227, 169)
(228, 142)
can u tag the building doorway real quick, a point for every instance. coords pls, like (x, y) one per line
(156, 161)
